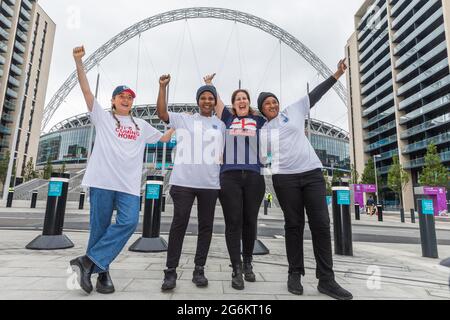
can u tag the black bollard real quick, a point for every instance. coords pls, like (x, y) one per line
(82, 197)
(140, 203)
(413, 216)
(151, 240)
(163, 209)
(427, 229)
(342, 220)
(402, 215)
(34, 196)
(357, 212)
(10, 198)
(380, 212)
(52, 237)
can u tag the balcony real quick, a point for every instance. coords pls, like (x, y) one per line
(382, 143)
(382, 75)
(441, 102)
(387, 86)
(404, 13)
(14, 81)
(5, 21)
(379, 104)
(18, 59)
(22, 36)
(368, 74)
(382, 39)
(438, 85)
(380, 117)
(27, 4)
(388, 155)
(417, 163)
(4, 143)
(416, 16)
(25, 14)
(16, 70)
(424, 76)
(3, 46)
(5, 130)
(435, 123)
(421, 145)
(4, 34)
(380, 130)
(12, 93)
(9, 105)
(2, 60)
(427, 57)
(7, 118)
(375, 31)
(412, 36)
(19, 46)
(7, 9)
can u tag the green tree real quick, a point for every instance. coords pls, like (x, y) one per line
(337, 176)
(354, 175)
(434, 174)
(4, 163)
(397, 178)
(30, 172)
(368, 176)
(63, 168)
(48, 169)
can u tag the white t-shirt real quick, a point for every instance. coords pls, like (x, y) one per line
(199, 151)
(118, 157)
(292, 152)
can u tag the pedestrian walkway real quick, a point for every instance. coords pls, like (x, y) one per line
(377, 271)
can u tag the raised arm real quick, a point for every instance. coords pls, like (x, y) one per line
(220, 105)
(167, 136)
(78, 54)
(324, 87)
(161, 105)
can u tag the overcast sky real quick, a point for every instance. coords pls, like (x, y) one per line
(189, 50)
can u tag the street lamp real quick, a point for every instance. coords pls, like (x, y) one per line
(376, 175)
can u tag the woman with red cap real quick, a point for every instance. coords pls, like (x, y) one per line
(113, 175)
(299, 184)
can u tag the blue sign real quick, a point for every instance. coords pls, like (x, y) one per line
(343, 197)
(427, 207)
(152, 192)
(55, 189)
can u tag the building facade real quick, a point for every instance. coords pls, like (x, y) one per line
(26, 45)
(399, 87)
(68, 142)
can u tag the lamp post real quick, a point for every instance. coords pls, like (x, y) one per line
(376, 175)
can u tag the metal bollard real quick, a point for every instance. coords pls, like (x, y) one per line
(34, 196)
(380, 212)
(163, 208)
(52, 237)
(82, 197)
(10, 198)
(342, 220)
(357, 212)
(413, 216)
(427, 229)
(151, 240)
(402, 215)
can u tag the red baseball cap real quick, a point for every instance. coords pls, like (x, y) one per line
(121, 89)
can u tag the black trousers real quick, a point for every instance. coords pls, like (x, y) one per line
(297, 192)
(241, 195)
(183, 199)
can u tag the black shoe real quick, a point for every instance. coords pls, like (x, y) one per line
(104, 283)
(249, 275)
(237, 281)
(199, 277)
(83, 266)
(170, 279)
(295, 283)
(333, 289)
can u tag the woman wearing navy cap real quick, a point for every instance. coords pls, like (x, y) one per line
(300, 185)
(113, 175)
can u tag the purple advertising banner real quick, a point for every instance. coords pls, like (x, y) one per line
(359, 190)
(439, 199)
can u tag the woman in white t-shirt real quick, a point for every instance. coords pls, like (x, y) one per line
(299, 184)
(195, 175)
(114, 177)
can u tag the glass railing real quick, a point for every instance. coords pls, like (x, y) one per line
(7, 22)
(427, 57)
(19, 46)
(5, 130)
(413, 51)
(377, 92)
(414, 18)
(12, 93)
(437, 140)
(377, 105)
(380, 130)
(14, 81)
(402, 15)
(9, 105)
(2, 59)
(383, 50)
(376, 80)
(375, 68)
(438, 85)
(4, 143)
(380, 40)
(416, 163)
(16, 70)
(22, 35)
(4, 33)
(18, 58)
(388, 155)
(27, 4)
(425, 75)
(7, 9)
(376, 30)
(3, 46)
(437, 122)
(380, 117)
(442, 101)
(25, 14)
(8, 118)
(381, 143)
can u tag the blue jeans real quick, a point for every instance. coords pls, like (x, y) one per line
(107, 240)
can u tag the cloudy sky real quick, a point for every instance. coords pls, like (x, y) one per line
(189, 50)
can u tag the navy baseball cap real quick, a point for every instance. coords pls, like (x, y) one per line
(121, 89)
